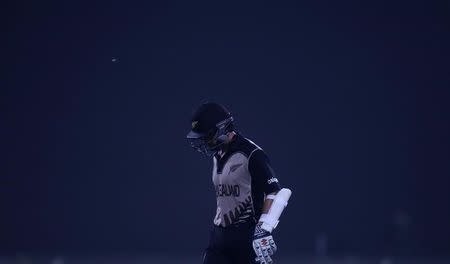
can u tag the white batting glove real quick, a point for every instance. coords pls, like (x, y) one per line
(263, 245)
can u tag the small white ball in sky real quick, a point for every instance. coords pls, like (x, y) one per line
(113, 59)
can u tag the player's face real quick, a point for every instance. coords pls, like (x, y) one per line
(204, 145)
(209, 144)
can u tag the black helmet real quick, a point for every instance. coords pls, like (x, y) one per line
(210, 124)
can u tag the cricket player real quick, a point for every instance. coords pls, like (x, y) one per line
(249, 197)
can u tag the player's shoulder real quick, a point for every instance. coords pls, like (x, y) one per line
(245, 145)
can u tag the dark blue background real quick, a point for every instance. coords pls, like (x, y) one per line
(350, 99)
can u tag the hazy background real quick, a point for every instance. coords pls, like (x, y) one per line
(350, 99)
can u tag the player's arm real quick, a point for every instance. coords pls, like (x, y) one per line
(274, 205)
(268, 202)
(275, 201)
(265, 181)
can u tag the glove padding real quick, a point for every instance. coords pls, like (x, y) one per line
(263, 245)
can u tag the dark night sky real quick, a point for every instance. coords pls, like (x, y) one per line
(350, 99)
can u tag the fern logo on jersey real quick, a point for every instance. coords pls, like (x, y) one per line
(194, 124)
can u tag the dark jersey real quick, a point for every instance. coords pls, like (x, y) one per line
(242, 178)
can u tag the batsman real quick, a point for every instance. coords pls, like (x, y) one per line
(249, 197)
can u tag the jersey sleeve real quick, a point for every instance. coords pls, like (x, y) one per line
(263, 176)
